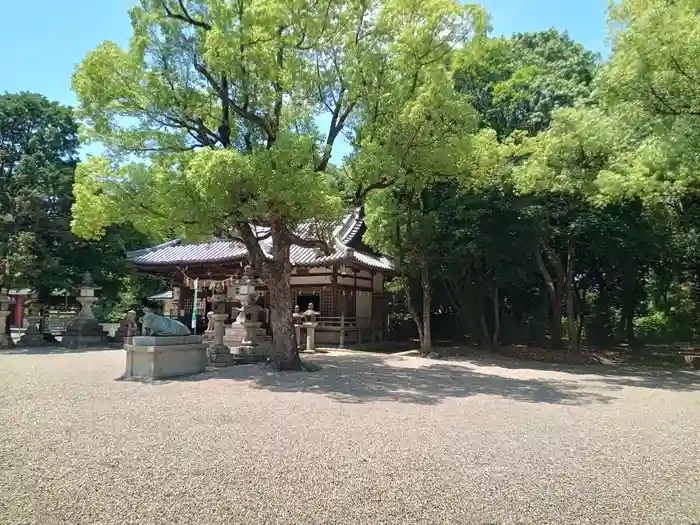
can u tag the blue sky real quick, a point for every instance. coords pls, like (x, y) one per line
(43, 40)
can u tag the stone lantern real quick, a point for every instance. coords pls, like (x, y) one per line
(310, 323)
(84, 330)
(219, 354)
(5, 302)
(32, 336)
(87, 296)
(248, 294)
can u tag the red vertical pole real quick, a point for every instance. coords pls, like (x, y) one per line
(19, 310)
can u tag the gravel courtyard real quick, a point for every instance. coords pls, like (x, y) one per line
(368, 440)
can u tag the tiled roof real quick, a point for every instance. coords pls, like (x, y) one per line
(174, 252)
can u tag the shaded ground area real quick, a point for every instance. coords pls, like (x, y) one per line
(369, 439)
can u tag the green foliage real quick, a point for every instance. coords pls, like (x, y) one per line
(126, 293)
(212, 107)
(515, 83)
(38, 154)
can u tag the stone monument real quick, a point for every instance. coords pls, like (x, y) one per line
(219, 354)
(169, 350)
(84, 331)
(5, 338)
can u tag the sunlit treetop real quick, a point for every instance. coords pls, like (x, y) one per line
(208, 118)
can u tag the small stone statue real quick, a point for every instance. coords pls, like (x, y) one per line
(210, 323)
(128, 328)
(159, 325)
(132, 327)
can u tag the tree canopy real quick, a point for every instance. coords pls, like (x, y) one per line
(208, 118)
(38, 155)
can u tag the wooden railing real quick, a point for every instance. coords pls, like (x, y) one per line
(337, 322)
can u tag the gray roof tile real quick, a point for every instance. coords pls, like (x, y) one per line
(174, 252)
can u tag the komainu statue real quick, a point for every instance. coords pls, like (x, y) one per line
(159, 325)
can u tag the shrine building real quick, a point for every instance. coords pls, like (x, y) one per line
(347, 286)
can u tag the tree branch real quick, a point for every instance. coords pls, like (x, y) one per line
(361, 193)
(185, 16)
(241, 112)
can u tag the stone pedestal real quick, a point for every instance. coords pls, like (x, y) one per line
(297, 330)
(219, 354)
(32, 336)
(310, 336)
(235, 334)
(209, 336)
(161, 357)
(250, 351)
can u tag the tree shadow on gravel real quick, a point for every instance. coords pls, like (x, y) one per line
(363, 378)
(610, 375)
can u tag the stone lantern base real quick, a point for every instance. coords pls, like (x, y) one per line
(32, 336)
(220, 356)
(84, 332)
(5, 339)
(250, 350)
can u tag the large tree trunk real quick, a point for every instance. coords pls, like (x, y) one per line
(285, 350)
(554, 300)
(461, 300)
(570, 301)
(277, 275)
(426, 342)
(411, 310)
(485, 335)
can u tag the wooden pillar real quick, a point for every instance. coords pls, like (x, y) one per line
(334, 291)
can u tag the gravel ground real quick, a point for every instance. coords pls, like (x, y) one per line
(367, 440)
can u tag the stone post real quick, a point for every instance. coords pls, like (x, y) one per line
(310, 336)
(5, 339)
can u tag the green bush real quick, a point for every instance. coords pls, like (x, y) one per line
(659, 327)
